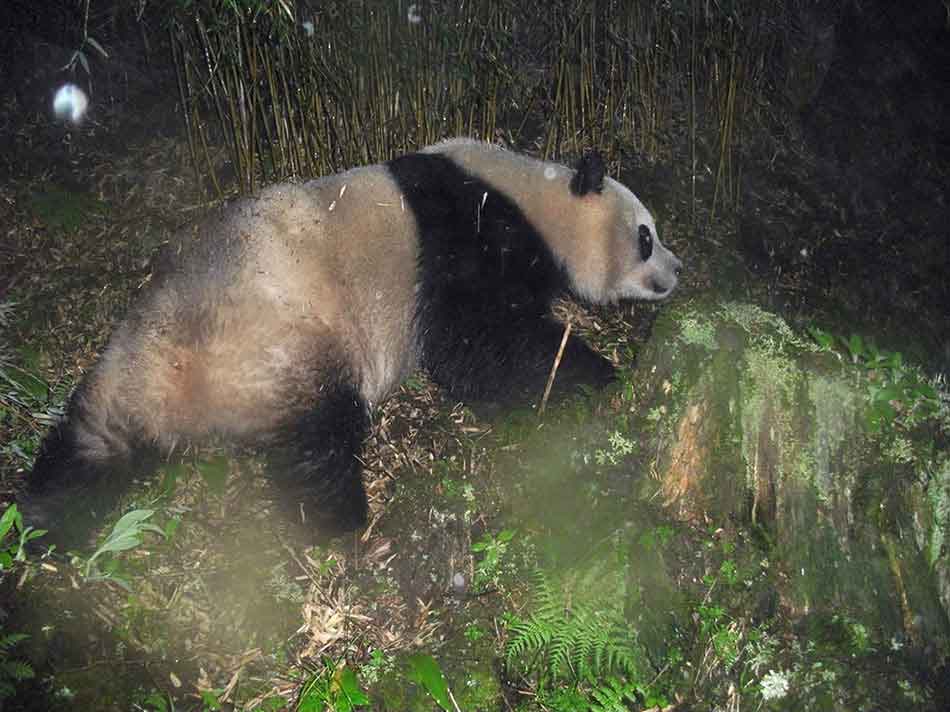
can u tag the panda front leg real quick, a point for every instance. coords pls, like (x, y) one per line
(316, 462)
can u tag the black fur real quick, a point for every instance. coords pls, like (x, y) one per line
(315, 462)
(68, 492)
(487, 282)
(589, 174)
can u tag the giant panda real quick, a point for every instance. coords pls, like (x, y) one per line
(288, 316)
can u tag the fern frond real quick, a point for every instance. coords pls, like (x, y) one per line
(16, 670)
(527, 637)
(548, 603)
(581, 643)
(11, 639)
(584, 647)
(611, 696)
(559, 652)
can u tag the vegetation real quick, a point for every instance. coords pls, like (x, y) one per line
(12, 670)
(127, 534)
(587, 645)
(333, 687)
(898, 393)
(295, 89)
(27, 401)
(278, 88)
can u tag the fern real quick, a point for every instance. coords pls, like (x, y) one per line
(613, 695)
(573, 643)
(12, 671)
(9, 640)
(16, 670)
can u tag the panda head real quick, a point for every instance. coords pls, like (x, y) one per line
(620, 255)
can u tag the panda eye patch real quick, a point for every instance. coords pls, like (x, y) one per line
(646, 242)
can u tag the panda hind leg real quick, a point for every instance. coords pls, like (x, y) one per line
(316, 466)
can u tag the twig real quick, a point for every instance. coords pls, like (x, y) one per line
(557, 362)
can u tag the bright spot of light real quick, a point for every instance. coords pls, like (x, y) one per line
(414, 15)
(308, 27)
(70, 103)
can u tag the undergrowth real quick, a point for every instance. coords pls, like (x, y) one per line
(579, 655)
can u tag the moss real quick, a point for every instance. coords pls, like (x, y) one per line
(695, 332)
(939, 500)
(764, 327)
(835, 406)
(768, 389)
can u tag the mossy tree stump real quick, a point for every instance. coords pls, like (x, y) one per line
(755, 423)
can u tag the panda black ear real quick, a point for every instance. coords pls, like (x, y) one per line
(588, 174)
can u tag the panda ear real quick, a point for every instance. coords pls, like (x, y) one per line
(588, 174)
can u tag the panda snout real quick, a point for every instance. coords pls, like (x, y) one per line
(665, 281)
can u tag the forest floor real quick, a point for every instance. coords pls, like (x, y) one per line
(233, 606)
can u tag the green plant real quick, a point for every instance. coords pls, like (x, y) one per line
(425, 671)
(474, 632)
(210, 700)
(154, 701)
(12, 670)
(618, 447)
(492, 548)
(720, 633)
(13, 548)
(379, 664)
(27, 402)
(574, 643)
(274, 703)
(898, 394)
(334, 687)
(127, 533)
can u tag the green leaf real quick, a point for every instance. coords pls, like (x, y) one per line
(425, 671)
(171, 526)
(210, 701)
(29, 534)
(7, 520)
(126, 534)
(822, 338)
(311, 701)
(350, 687)
(156, 702)
(856, 346)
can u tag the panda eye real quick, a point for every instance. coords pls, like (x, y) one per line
(646, 242)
